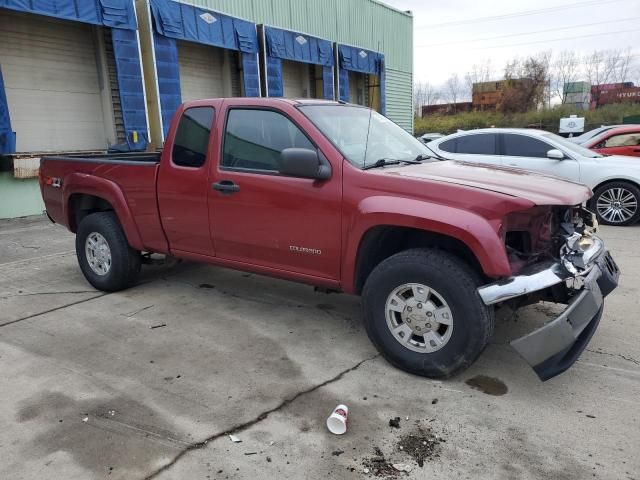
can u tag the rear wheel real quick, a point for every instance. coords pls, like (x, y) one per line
(423, 313)
(617, 203)
(105, 257)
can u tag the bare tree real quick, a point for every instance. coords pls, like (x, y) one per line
(453, 89)
(424, 94)
(479, 73)
(565, 69)
(599, 67)
(622, 63)
(526, 83)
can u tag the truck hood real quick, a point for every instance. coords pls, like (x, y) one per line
(535, 187)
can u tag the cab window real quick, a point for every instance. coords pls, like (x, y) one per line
(192, 137)
(254, 139)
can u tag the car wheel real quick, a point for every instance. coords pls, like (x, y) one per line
(423, 313)
(105, 257)
(617, 203)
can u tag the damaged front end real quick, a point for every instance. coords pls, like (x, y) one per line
(555, 256)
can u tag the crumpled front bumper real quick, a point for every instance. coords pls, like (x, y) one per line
(553, 348)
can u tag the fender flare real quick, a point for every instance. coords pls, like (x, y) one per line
(107, 190)
(479, 234)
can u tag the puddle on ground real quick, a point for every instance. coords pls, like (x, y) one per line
(488, 385)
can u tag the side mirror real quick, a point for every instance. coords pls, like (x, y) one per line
(555, 154)
(305, 163)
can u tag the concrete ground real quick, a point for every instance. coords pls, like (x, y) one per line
(148, 383)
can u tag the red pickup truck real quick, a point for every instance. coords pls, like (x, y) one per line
(339, 197)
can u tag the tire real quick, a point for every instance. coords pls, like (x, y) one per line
(626, 195)
(451, 281)
(124, 266)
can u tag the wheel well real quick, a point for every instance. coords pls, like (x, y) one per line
(82, 204)
(384, 241)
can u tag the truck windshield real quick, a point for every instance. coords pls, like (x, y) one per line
(364, 136)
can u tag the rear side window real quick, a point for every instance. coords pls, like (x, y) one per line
(482, 144)
(254, 139)
(523, 146)
(192, 137)
(448, 146)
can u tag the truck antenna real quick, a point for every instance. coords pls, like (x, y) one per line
(366, 145)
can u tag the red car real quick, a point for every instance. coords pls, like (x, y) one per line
(339, 197)
(623, 140)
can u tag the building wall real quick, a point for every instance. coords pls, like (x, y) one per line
(363, 23)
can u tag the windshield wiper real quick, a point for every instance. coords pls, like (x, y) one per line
(421, 157)
(383, 162)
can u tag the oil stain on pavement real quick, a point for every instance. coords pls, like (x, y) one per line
(488, 385)
(107, 436)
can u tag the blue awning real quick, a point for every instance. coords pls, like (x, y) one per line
(110, 13)
(130, 87)
(289, 45)
(187, 22)
(360, 60)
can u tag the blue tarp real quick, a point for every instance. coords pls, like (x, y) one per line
(7, 136)
(177, 21)
(343, 81)
(110, 13)
(275, 85)
(360, 60)
(363, 61)
(168, 71)
(187, 22)
(327, 83)
(251, 74)
(289, 45)
(130, 85)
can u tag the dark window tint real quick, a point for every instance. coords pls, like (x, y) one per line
(255, 138)
(192, 137)
(448, 146)
(484, 144)
(522, 146)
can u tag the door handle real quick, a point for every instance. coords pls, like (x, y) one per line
(226, 186)
(637, 150)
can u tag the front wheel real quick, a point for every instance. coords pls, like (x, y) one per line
(617, 203)
(105, 257)
(423, 313)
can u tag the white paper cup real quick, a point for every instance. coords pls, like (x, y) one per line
(337, 421)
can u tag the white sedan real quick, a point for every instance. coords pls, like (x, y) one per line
(615, 180)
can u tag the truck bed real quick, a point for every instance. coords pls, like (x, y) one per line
(126, 180)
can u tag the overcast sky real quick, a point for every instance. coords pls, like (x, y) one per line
(451, 36)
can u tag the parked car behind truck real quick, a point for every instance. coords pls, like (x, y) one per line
(615, 180)
(337, 196)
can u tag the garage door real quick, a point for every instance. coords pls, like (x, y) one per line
(295, 77)
(201, 71)
(51, 80)
(357, 92)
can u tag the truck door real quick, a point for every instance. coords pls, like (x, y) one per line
(183, 183)
(261, 217)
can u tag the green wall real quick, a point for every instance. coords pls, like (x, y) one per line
(362, 23)
(19, 198)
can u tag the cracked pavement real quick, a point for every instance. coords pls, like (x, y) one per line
(149, 383)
